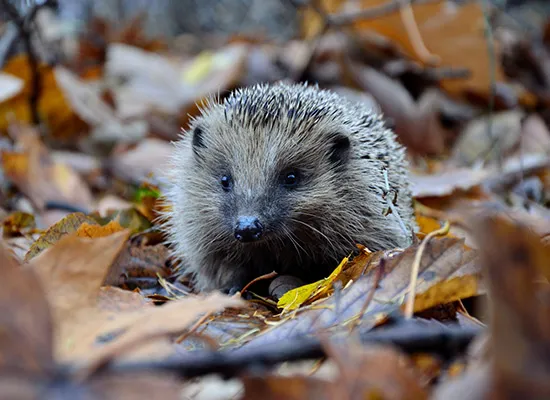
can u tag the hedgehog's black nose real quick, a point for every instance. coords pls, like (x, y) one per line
(248, 229)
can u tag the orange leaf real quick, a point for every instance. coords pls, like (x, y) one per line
(95, 231)
(62, 123)
(439, 25)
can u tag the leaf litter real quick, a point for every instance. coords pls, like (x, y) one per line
(93, 295)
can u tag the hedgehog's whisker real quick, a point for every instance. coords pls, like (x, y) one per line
(333, 248)
(288, 233)
(345, 237)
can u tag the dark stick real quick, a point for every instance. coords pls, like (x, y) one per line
(24, 25)
(444, 340)
(347, 18)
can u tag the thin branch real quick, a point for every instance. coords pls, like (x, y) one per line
(409, 307)
(492, 83)
(346, 18)
(444, 340)
(24, 25)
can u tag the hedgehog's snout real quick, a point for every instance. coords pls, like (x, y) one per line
(248, 229)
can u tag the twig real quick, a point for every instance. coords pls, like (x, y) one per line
(24, 24)
(272, 274)
(409, 308)
(492, 84)
(7, 43)
(370, 296)
(195, 326)
(346, 18)
(444, 340)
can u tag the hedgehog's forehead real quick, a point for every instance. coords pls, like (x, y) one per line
(298, 109)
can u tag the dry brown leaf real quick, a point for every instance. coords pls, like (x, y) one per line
(88, 104)
(375, 372)
(452, 180)
(27, 358)
(134, 386)
(535, 136)
(72, 271)
(171, 318)
(26, 343)
(447, 182)
(478, 143)
(273, 387)
(439, 24)
(39, 177)
(515, 260)
(140, 262)
(416, 124)
(149, 156)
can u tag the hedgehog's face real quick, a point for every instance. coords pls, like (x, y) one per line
(268, 186)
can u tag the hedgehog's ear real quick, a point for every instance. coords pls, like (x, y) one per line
(198, 139)
(339, 149)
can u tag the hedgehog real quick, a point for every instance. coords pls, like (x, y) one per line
(287, 178)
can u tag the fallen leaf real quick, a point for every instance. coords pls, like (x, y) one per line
(129, 218)
(479, 140)
(95, 231)
(293, 299)
(72, 271)
(67, 225)
(375, 372)
(27, 362)
(39, 177)
(171, 318)
(440, 23)
(11, 86)
(273, 387)
(149, 156)
(493, 178)
(87, 103)
(415, 123)
(26, 325)
(447, 182)
(136, 264)
(515, 260)
(62, 123)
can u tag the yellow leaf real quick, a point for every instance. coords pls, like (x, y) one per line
(460, 287)
(427, 224)
(199, 69)
(296, 297)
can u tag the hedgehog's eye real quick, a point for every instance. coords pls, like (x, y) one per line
(226, 182)
(290, 178)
